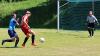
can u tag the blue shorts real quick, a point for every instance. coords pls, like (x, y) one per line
(11, 33)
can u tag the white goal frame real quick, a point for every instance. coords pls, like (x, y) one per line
(58, 12)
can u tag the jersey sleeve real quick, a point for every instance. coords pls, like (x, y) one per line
(14, 21)
(95, 18)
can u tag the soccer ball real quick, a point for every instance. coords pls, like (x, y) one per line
(42, 39)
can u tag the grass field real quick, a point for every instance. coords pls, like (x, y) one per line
(64, 43)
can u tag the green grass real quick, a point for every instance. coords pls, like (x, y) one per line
(64, 43)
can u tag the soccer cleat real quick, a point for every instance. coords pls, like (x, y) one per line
(3, 42)
(92, 36)
(23, 45)
(89, 36)
(34, 44)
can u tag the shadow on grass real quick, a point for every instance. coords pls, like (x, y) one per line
(82, 37)
(10, 47)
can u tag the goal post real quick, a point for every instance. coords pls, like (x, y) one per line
(58, 14)
(93, 6)
(59, 6)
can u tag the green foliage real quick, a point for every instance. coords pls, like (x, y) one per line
(43, 12)
(7, 8)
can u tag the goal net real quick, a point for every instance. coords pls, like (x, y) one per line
(73, 13)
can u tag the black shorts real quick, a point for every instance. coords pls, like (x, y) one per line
(91, 25)
(11, 33)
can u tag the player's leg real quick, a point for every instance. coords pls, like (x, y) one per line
(90, 26)
(11, 39)
(93, 26)
(25, 30)
(89, 30)
(33, 37)
(92, 31)
(27, 36)
(17, 40)
(25, 40)
(8, 40)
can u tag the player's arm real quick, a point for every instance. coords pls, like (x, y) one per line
(17, 21)
(96, 20)
(87, 20)
(26, 22)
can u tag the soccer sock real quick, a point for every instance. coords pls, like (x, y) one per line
(33, 39)
(16, 42)
(89, 30)
(92, 32)
(8, 40)
(25, 40)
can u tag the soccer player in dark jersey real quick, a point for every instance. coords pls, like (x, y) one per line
(91, 19)
(11, 31)
(26, 29)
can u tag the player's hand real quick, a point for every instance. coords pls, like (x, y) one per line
(19, 25)
(17, 19)
(98, 24)
(29, 27)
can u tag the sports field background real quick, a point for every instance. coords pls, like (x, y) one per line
(44, 13)
(64, 43)
(43, 20)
